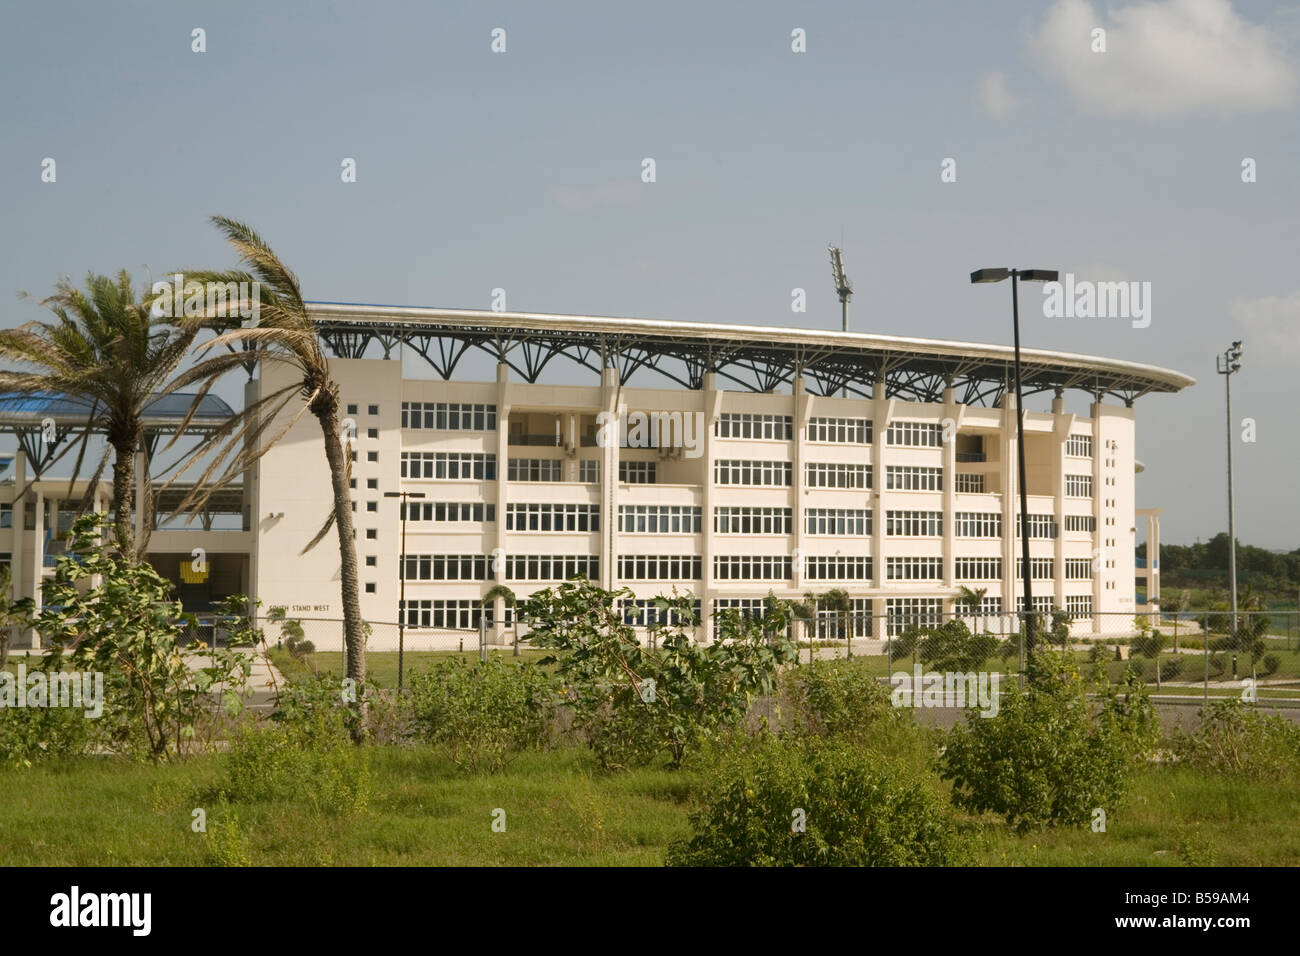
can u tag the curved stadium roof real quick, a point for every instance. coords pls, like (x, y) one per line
(759, 358)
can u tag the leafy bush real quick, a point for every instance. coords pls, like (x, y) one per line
(952, 647)
(1051, 755)
(836, 699)
(633, 704)
(101, 613)
(1170, 668)
(1147, 644)
(1271, 663)
(304, 754)
(808, 802)
(485, 713)
(30, 735)
(1235, 739)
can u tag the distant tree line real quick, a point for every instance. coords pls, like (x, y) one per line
(1205, 564)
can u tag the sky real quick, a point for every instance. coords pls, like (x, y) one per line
(1169, 157)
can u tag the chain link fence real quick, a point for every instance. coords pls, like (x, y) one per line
(1195, 651)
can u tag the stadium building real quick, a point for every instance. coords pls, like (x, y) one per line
(721, 461)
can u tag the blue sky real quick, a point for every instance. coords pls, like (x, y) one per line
(522, 171)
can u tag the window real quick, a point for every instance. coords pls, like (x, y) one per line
(970, 484)
(372, 456)
(372, 505)
(914, 434)
(902, 613)
(352, 483)
(449, 416)
(448, 511)
(978, 524)
(446, 567)
(752, 608)
(552, 567)
(370, 587)
(759, 427)
(449, 465)
(837, 475)
(834, 625)
(1078, 569)
(913, 478)
(372, 432)
(1080, 523)
(1042, 605)
(1078, 605)
(659, 519)
(372, 409)
(535, 469)
(589, 471)
(842, 431)
(749, 520)
(370, 561)
(977, 569)
(352, 409)
(645, 612)
(837, 568)
(1078, 486)
(463, 614)
(751, 567)
(660, 567)
(372, 534)
(552, 517)
(731, 471)
(913, 569)
(837, 521)
(1040, 526)
(914, 524)
(1079, 446)
(372, 482)
(637, 472)
(1039, 568)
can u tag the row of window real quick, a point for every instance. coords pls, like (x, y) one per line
(449, 416)
(660, 567)
(914, 434)
(914, 524)
(820, 474)
(845, 431)
(550, 516)
(659, 519)
(752, 520)
(1079, 446)
(448, 511)
(1078, 486)
(754, 426)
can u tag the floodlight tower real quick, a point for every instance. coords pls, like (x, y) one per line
(843, 289)
(1226, 364)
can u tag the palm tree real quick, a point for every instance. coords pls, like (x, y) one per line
(109, 351)
(838, 602)
(505, 593)
(806, 611)
(285, 334)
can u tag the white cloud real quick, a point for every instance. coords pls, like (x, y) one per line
(1270, 326)
(997, 99)
(1166, 58)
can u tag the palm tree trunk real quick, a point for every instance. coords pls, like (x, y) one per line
(354, 638)
(124, 498)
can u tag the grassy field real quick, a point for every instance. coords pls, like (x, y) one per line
(560, 810)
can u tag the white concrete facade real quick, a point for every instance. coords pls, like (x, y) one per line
(1084, 548)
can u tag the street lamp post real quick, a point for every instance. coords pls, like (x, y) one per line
(1226, 364)
(1029, 275)
(401, 577)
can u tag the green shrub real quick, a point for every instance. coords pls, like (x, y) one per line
(1170, 668)
(1235, 739)
(1051, 755)
(30, 735)
(836, 699)
(634, 704)
(328, 773)
(1271, 663)
(809, 802)
(485, 713)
